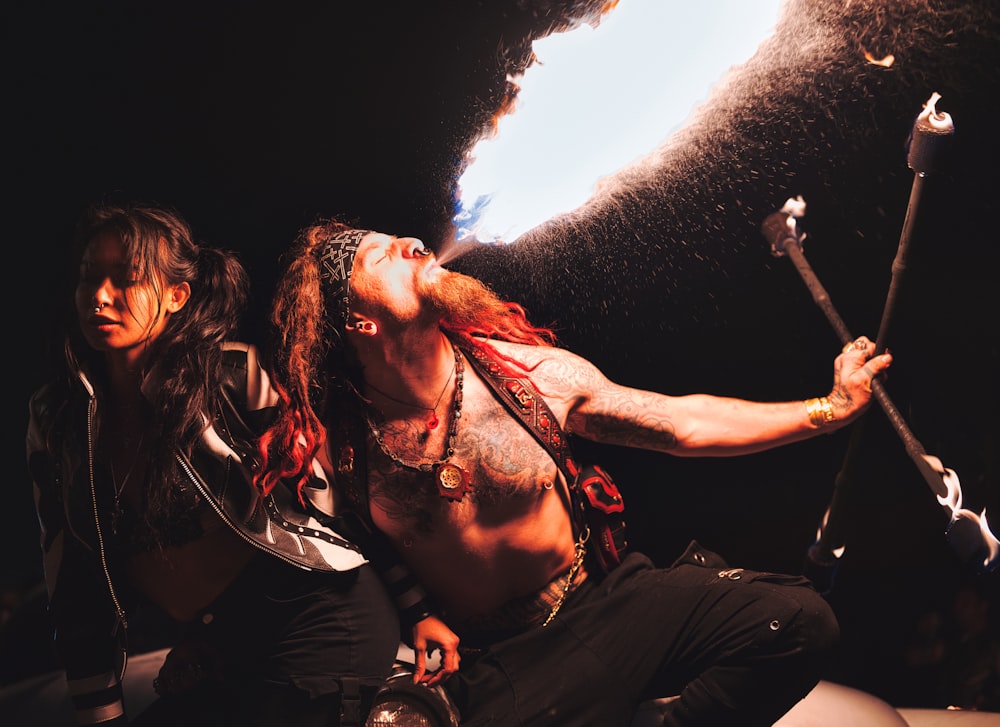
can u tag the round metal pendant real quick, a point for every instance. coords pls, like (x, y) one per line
(452, 481)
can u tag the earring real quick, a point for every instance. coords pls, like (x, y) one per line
(367, 327)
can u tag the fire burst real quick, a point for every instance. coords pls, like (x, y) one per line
(600, 96)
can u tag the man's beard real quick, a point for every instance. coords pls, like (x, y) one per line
(462, 301)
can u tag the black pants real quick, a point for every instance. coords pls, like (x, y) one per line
(282, 646)
(739, 648)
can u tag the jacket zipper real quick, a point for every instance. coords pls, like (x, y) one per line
(203, 491)
(122, 622)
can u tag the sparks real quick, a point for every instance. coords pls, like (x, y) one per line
(599, 97)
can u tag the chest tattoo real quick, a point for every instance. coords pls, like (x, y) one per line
(503, 460)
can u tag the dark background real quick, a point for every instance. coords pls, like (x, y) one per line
(253, 119)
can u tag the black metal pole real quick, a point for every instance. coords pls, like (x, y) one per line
(790, 244)
(931, 130)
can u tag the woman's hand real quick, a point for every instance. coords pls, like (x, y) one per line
(430, 634)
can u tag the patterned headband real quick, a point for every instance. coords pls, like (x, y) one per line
(336, 262)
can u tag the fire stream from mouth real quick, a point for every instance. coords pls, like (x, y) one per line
(598, 97)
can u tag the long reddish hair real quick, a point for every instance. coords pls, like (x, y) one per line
(316, 374)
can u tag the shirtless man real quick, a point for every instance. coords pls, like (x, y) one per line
(477, 507)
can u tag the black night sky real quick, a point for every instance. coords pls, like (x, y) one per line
(252, 119)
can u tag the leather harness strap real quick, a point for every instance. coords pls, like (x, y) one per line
(595, 502)
(518, 394)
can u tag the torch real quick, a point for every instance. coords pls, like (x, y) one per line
(932, 133)
(968, 533)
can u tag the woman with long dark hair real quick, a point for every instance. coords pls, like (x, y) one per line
(143, 454)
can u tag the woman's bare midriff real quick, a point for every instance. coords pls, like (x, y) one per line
(182, 580)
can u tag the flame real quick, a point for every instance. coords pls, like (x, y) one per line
(837, 552)
(952, 500)
(885, 61)
(935, 120)
(600, 96)
(794, 206)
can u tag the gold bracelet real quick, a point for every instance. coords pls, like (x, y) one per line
(820, 412)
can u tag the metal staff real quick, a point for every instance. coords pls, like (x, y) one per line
(930, 132)
(968, 533)
(782, 232)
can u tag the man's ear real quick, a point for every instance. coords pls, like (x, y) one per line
(178, 296)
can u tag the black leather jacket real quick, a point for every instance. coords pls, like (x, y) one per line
(85, 599)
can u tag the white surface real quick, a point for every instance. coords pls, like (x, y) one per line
(949, 718)
(828, 705)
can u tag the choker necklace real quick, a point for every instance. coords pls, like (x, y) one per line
(433, 421)
(452, 480)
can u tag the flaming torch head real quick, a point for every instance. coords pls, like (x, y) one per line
(933, 130)
(971, 539)
(968, 533)
(781, 228)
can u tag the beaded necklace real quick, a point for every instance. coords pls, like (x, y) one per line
(452, 480)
